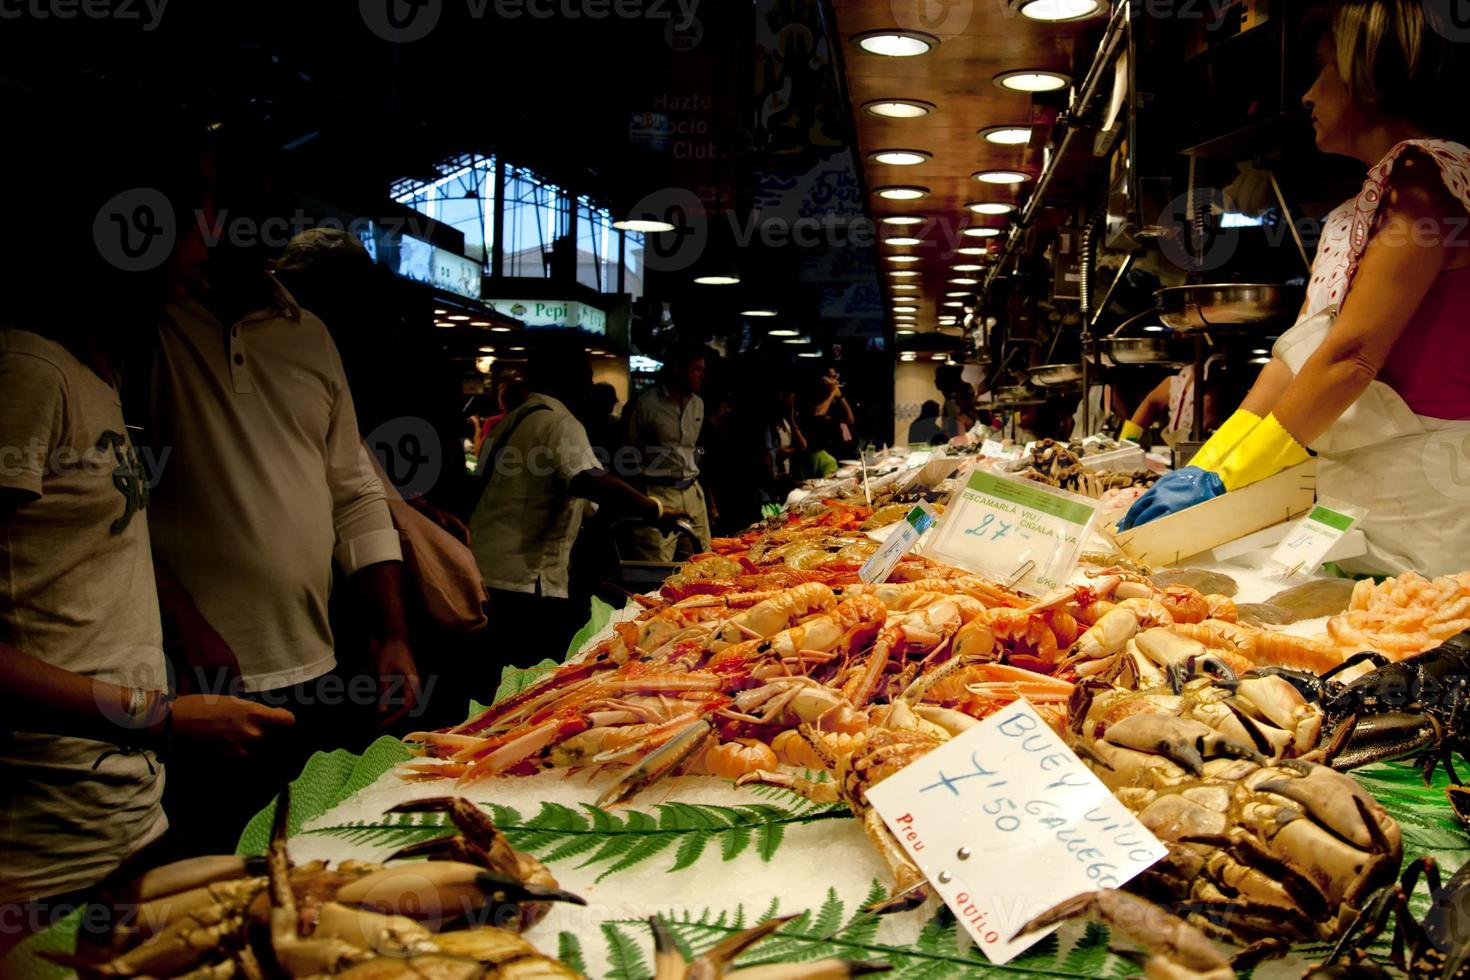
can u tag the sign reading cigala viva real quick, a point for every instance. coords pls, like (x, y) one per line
(553, 313)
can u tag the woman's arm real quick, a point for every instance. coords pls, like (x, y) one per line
(1407, 251)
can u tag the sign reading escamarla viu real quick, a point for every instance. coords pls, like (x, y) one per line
(552, 313)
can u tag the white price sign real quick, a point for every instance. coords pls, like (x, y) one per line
(1005, 821)
(1021, 532)
(1309, 540)
(900, 538)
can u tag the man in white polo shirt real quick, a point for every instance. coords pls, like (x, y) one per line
(267, 486)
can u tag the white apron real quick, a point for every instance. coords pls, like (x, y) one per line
(1409, 471)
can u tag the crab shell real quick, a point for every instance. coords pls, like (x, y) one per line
(1256, 849)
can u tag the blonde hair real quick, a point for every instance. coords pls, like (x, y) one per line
(1394, 57)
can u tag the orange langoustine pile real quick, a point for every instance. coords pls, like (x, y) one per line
(769, 650)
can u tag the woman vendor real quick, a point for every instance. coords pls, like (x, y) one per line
(1374, 377)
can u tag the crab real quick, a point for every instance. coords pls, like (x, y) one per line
(216, 917)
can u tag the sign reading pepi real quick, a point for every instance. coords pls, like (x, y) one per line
(553, 313)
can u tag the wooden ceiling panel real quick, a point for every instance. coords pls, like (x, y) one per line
(977, 41)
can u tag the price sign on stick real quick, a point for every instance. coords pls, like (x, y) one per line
(1023, 533)
(1309, 540)
(900, 540)
(1005, 821)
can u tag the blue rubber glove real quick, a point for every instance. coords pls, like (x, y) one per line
(1173, 492)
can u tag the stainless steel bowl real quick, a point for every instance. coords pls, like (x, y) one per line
(1016, 396)
(1055, 375)
(1161, 350)
(1229, 306)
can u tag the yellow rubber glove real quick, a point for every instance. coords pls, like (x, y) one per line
(1226, 438)
(1131, 431)
(1265, 451)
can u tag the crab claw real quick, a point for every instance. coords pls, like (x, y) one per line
(1181, 740)
(657, 763)
(669, 962)
(1176, 948)
(444, 890)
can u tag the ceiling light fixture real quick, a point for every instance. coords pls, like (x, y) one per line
(717, 280)
(904, 285)
(905, 309)
(902, 273)
(1055, 10)
(903, 259)
(1032, 80)
(902, 193)
(966, 267)
(782, 332)
(1007, 135)
(487, 350)
(809, 353)
(964, 281)
(1000, 176)
(958, 292)
(991, 207)
(457, 317)
(899, 108)
(440, 312)
(648, 226)
(901, 241)
(952, 302)
(973, 250)
(899, 158)
(980, 232)
(901, 219)
(894, 43)
(761, 311)
(905, 332)
(796, 340)
(500, 329)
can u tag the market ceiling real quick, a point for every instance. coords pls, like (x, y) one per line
(940, 97)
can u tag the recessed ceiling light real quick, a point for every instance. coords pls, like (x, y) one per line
(905, 193)
(958, 292)
(905, 332)
(1032, 80)
(903, 273)
(808, 353)
(1007, 135)
(952, 302)
(903, 285)
(717, 280)
(1055, 10)
(902, 219)
(1260, 350)
(442, 323)
(905, 309)
(908, 355)
(1000, 176)
(479, 323)
(1259, 360)
(905, 318)
(457, 318)
(487, 350)
(796, 340)
(946, 321)
(991, 207)
(440, 312)
(902, 258)
(899, 158)
(964, 281)
(758, 312)
(500, 329)
(646, 225)
(973, 250)
(980, 232)
(966, 267)
(901, 241)
(782, 332)
(899, 108)
(895, 43)
(517, 348)
(1153, 328)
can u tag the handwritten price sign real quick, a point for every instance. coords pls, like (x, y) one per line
(1006, 821)
(1021, 532)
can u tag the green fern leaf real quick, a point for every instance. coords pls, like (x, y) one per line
(624, 958)
(1087, 956)
(735, 840)
(690, 848)
(391, 830)
(641, 851)
(569, 951)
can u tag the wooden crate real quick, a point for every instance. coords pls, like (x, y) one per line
(1182, 535)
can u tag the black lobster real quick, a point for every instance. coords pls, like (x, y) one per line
(1418, 707)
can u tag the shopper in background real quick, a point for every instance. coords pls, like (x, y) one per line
(925, 430)
(604, 431)
(664, 426)
(85, 694)
(540, 468)
(267, 484)
(1171, 402)
(827, 409)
